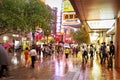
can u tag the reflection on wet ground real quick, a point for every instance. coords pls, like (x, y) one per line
(59, 68)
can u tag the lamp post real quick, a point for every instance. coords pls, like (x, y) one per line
(47, 35)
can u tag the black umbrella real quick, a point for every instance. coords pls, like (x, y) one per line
(4, 58)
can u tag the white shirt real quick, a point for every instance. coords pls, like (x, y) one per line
(33, 52)
(83, 49)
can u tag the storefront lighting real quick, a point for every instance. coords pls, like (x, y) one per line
(93, 36)
(5, 38)
(15, 35)
(101, 24)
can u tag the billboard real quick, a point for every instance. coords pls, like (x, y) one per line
(67, 6)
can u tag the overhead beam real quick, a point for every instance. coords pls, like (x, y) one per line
(80, 14)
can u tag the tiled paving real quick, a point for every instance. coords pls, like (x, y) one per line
(58, 68)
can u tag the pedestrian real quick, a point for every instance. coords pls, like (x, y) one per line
(77, 50)
(84, 54)
(26, 54)
(4, 62)
(111, 54)
(91, 51)
(67, 51)
(33, 54)
(103, 53)
(74, 50)
(112, 48)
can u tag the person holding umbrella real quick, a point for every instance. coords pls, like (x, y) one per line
(4, 61)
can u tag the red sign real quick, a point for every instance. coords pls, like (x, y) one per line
(58, 38)
(38, 36)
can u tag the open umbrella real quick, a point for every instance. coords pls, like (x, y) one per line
(60, 44)
(66, 45)
(4, 58)
(7, 44)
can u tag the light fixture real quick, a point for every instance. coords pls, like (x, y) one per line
(101, 24)
(5, 38)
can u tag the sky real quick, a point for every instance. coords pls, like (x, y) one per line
(55, 3)
(58, 4)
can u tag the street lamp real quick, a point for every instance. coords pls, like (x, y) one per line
(47, 35)
(5, 38)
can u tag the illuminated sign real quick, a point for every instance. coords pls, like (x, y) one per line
(67, 6)
(103, 24)
(70, 16)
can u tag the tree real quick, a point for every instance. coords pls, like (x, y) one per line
(23, 15)
(81, 36)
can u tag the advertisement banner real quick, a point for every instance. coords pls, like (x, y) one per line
(67, 6)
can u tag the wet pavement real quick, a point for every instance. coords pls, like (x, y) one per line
(59, 68)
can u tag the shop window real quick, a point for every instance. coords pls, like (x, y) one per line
(75, 16)
(71, 16)
(65, 16)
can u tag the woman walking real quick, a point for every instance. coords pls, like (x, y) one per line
(26, 54)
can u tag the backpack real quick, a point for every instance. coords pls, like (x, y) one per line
(103, 49)
(85, 52)
(112, 48)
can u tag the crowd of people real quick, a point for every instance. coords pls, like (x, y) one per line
(34, 52)
(106, 53)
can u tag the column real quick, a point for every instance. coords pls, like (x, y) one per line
(117, 44)
(104, 37)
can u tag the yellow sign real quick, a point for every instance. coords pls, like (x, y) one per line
(43, 1)
(67, 6)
